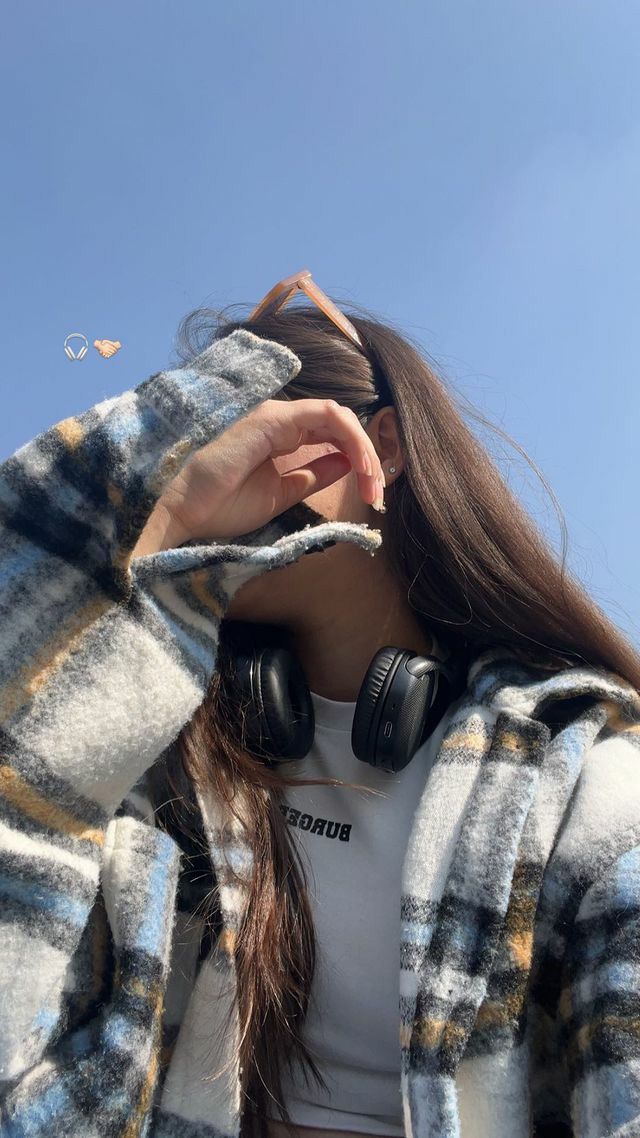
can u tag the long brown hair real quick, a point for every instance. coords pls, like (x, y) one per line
(476, 570)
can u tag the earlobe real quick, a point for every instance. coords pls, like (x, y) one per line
(391, 469)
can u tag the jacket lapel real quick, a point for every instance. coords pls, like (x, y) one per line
(202, 1086)
(457, 918)
(479, 844)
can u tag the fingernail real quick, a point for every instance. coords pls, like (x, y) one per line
(379, 499)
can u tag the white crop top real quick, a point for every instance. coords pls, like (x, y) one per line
(353, 845)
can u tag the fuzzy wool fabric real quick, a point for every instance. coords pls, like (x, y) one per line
(518, 924)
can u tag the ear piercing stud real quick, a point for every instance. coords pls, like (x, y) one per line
(392, 470)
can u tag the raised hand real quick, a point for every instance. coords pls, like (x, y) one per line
(231, 486)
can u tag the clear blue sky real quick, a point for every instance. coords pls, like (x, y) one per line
(470, 170)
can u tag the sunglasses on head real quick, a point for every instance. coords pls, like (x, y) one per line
(282, 293)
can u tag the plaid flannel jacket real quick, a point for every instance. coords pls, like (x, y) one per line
(518, 924)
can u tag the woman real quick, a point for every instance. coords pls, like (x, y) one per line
(193, 929)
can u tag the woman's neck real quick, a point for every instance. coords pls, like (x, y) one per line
(337, 642)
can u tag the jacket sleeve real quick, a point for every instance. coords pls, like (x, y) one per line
(600, 1005)
(102, 662)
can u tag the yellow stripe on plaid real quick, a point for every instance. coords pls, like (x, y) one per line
(471, 740)
(30, 802)
(199, 582)
(133, 1128)
(71, 432)
(440, 1033)
(50, 658)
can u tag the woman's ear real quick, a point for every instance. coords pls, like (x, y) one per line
(382, 428)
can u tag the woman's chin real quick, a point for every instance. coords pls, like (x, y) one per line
(253, 602)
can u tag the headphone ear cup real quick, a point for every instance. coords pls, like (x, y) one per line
(284, 721)
(69, 352)
(265, 681)
(364, 718)
(398, 706)
(83, 351)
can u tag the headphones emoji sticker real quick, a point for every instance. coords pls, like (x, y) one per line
(106, 348)
(82, 351)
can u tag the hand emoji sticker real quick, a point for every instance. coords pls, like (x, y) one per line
(107, 348)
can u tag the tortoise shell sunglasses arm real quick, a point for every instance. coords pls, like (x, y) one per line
(282, 293)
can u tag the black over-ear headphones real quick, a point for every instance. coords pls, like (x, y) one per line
(402, 698)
